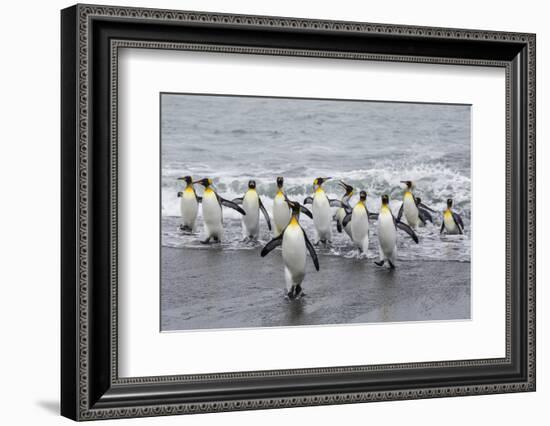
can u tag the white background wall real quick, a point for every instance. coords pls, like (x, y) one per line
(29, 211)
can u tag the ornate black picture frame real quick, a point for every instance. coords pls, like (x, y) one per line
(91, 36)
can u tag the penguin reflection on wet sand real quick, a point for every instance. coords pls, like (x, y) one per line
(212, 211)
(281, 209)
(252, 204)
(294, 242)
(452, 222)
(387, 234)
(189, 205)
(414, 211)
(321, 210)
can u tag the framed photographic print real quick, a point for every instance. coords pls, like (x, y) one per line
(263, 212)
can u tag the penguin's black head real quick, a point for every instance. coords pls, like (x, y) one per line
(347, 188)
(294, 206)
(188, 179)
(320, 180)
(385, 199)
(362, 195)
(206, 182)
(449, 202)
(280, 182)
(408, 183)
(251, 184)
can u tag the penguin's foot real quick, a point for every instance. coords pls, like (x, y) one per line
(207, 241)
(185, 228)
(392, 266)
(381, 263)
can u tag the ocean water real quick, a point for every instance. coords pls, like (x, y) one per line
(370, 145)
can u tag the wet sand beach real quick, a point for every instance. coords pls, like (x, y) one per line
(213, 288)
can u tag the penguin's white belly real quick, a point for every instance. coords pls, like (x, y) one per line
(189, 208)
(340, 215)
(360, 227)
(450, 225)
(251, 220)
(410, 211)
(387, 235)
(212, 214)
(294, 253)
(281, 214)
(321, 216)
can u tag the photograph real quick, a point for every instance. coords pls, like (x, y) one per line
(280, 212)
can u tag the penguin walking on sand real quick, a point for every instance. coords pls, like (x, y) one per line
(358, 220)
(252, 204)
(281, 210)
(344, 210)
(212, 211)
(294, 243)
(321, 210)
(415, 212)
(452, 222)
(189, 205)
(387, 234)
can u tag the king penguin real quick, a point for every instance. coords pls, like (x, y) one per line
(360, 223)
(415, 212)
(452, 222)
(281, 209)
(343, 211)
(321, 210)
(294, 242)
(189, 205)
(252, 204)
(212, 211)
(387, 234)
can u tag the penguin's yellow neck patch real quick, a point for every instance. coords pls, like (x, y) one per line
(384, 208)
(293, 221)
(208, 190)
(448, 213)
(279, 194)
(408, 194)
(189, 188)
(319, 190)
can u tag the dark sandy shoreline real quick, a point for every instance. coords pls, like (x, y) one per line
(212, 288)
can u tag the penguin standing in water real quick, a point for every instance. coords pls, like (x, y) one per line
(189, 205)
(415, 212)
(294, 242)
(321, 210)
(452, 222)
(252, 204)
(342, 212)
(281, 209)
(358, 220)
(387, 234)
(212, 211)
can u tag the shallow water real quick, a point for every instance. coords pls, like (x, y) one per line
(370, 145)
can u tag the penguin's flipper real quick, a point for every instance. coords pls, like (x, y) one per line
(311, 250)
(424, 215)
(306, 211)
(346, 219)
(264, 211)
(442, 227)
(425, 207)
(400, 213)
(407, 229)
(231, 205)
(237, 200)
(339, 226)
(308, 200)
(458, 221)
(180, 194)
(275, 242)
(373, 216)
(335, 203)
